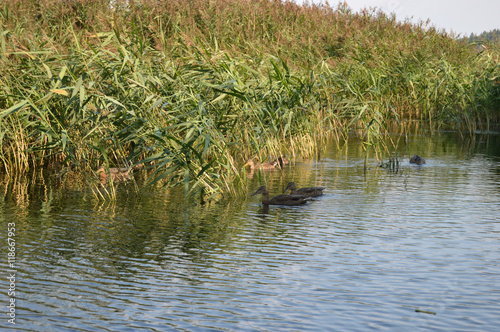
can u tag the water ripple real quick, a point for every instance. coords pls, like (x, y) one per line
(366, 255)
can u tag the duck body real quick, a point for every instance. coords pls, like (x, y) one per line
(289, 200)
(416, 159)
(282, 161)
(307, 192)
(116, 174)
(254, 165)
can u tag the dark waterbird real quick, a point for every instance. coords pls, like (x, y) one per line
(416, 159)
(307, 192)
(280, 199)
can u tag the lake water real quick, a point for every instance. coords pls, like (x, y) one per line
(416, 249)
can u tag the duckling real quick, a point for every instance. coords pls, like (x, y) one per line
(282, 161)
(307, 192)
(416, 159)
(253, 165)
(116, 174)
(280, 199)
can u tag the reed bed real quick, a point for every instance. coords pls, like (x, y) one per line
(191, 89)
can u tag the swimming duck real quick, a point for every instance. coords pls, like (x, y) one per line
(117, 174)
(280, 199)
(416, 159)
(268, 165)
(307, 192)
(282, 161)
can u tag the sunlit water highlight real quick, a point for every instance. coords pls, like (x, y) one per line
(416, 249)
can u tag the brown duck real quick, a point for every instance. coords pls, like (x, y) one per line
(280, 199)
(416, 159)
(307, 192)
(282, 161)
(268, 165)
(117, 174)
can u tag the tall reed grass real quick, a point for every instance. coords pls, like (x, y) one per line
(191, 89)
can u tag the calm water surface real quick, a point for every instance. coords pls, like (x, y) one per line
(415, 249)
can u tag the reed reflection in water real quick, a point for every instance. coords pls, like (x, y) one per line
(406, 250)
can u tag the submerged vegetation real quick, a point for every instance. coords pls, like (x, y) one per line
(194, 88)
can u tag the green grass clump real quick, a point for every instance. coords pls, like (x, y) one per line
(193, 88)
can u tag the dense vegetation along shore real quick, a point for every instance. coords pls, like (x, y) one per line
(194, 88)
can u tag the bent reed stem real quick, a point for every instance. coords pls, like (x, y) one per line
(191, 94)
